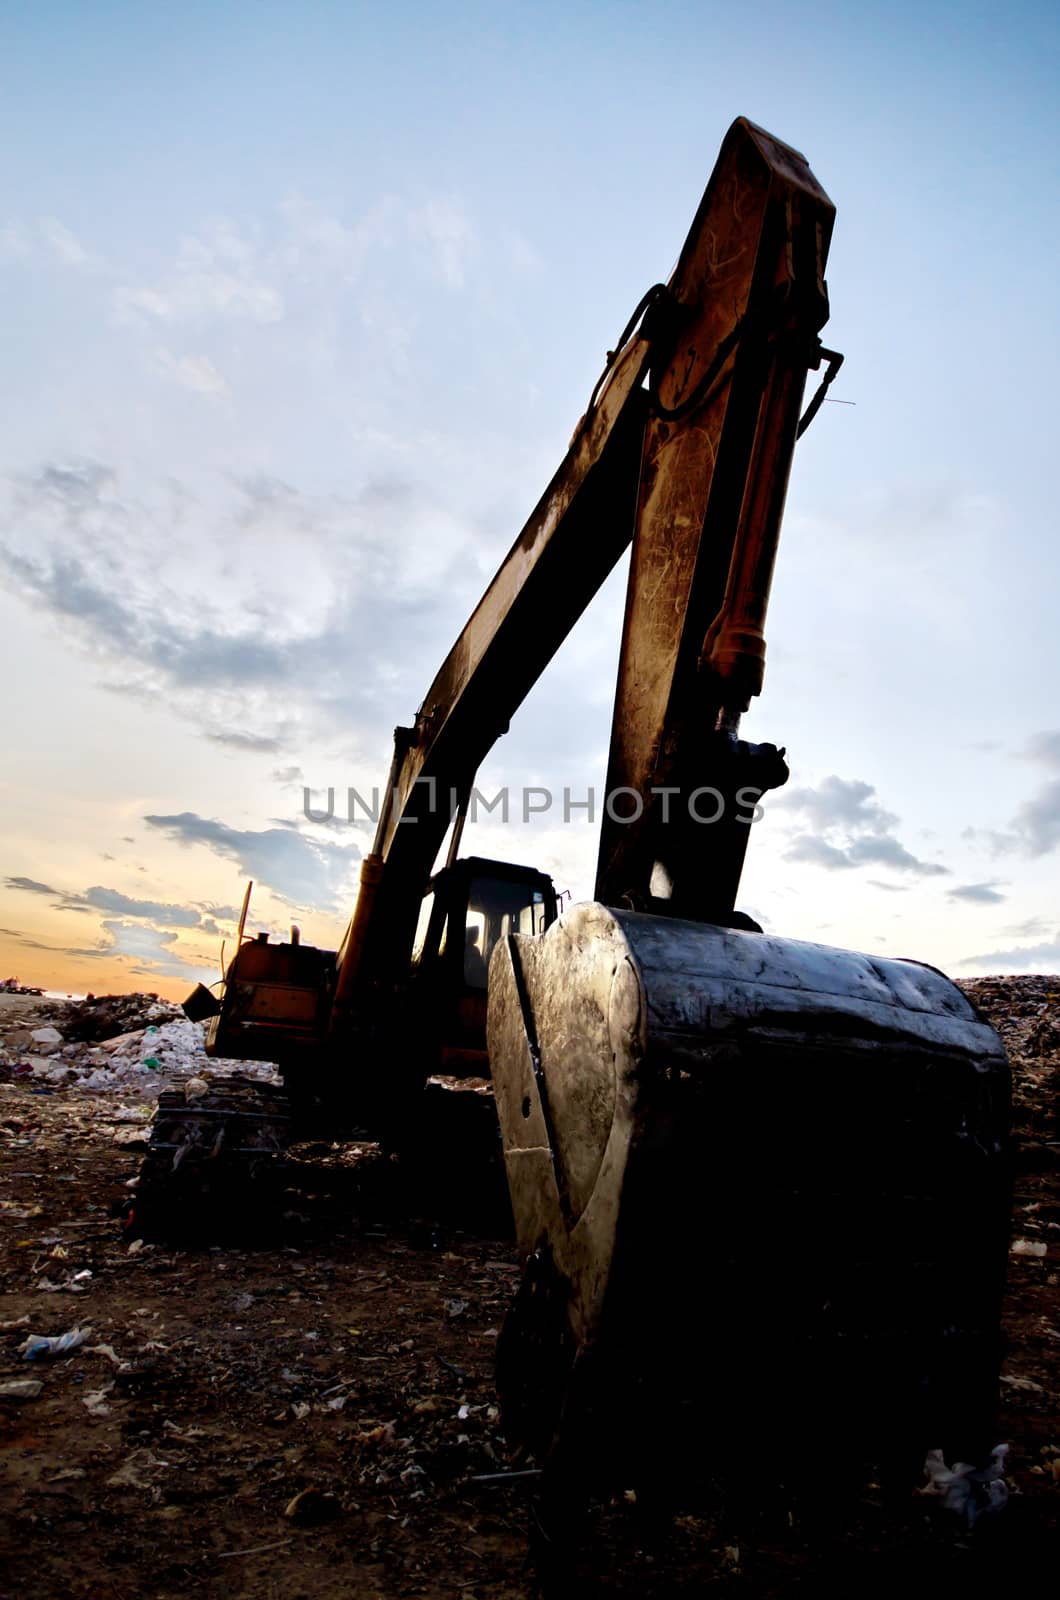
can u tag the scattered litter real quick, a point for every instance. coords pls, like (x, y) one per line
(300, 1410)
(257, 1550)
(111, 1354)
(15, 1322)
(21, 1389)
(1024, 1383)
(39, 1344)
(964, 1489)
(312, 1507)
(525, 1475)
(137, 1473)
(1029, 1247)
(95, 1401)
(130, 1136)
(183, 1433)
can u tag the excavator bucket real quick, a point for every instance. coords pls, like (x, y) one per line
(760, 1191)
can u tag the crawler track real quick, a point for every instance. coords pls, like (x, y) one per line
(214, 1162)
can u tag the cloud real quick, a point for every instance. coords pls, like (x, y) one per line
(262, 271)
(1035, 828)
(110, 900)
(816, 853)
(154, 948)
(124, 942)
(892, 888)
(64, 245)
(317, 244)
(20, 241)
(15, 242)
(197, 373)
(218, 274)
(883, 850)
(269, 615)
(287, 775)
(1023, 958)
(1037, 822)
(304, 872)
(1030, 928)
(258, 744)
(222, 913)
(980, 894)
(445, 226)
(837, 803)
(1045, 747)
(853, 829)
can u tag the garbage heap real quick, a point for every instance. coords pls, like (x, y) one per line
(130, 1044)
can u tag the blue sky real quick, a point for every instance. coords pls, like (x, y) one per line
(300, 305)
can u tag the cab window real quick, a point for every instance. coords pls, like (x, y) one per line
(475, 958)
(430, 938)
(497, 907)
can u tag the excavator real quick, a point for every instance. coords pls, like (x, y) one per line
(759, 1186)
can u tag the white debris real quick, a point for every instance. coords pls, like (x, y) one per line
(966, 1490)
(165, 1050)
(21, 1389)
(123, 1043)
(111, 1354)
(95, 1401)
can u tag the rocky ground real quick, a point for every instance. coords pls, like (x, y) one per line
(317, 1418)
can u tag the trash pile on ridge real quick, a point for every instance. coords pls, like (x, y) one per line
(130, 1043)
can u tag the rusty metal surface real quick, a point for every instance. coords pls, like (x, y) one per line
(712, 491)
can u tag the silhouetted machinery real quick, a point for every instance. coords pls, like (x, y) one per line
(759, 1186)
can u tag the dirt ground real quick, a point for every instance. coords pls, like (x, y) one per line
(354, 1359)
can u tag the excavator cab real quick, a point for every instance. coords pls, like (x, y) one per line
(468, 909)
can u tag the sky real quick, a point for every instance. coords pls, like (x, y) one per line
(300, 304)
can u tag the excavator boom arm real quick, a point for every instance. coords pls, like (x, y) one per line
(692, 468)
